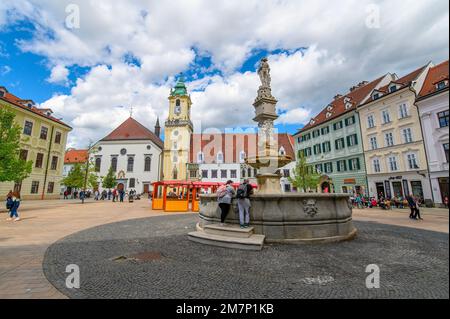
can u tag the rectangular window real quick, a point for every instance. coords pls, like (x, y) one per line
(132, 183)
(341, 166)
(316, 133)
(319, 168)
(308, 151)
(28, 128)
(54, 164)
(325, 130)
(326, 146)
(393, 163)
(204, 173)
(50, 187)
(402, 110)
(328, 167)
(39, 160)
(370, 121)
(446, 151)
(407, 135)
(389, 139)
(340, 143)
(352, 140)
(412, 161)
(373, 143)
(193, 173)
(34, 187)
(233, 173)
(443, 118)
(286, 173)
(386, 117)
(223, 173)
(23, 155)
(58, 138)
(44, 132)
(376, 165)
(350, 121)
(337, 125)
(353, 164)
(317, 149)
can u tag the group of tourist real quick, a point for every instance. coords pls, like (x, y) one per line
(116, 195)
(225, 195)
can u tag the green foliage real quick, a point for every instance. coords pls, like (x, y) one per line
(75, 178)
(12, 168)
(109, 181)
(305, 176)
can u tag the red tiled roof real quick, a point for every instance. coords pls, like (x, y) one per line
(231, 145)
(435, 75)
(133, 130)
(356, 96)
(12, 99)
(75, 156)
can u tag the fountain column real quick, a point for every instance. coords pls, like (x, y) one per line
(267, 160)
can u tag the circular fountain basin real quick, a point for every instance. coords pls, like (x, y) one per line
(268, 161)
(290, 217)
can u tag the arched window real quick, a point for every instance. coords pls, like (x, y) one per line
(242, 156)
(98, 163)
(200, 157)
(177, 103)
(175, 173)
(147, 164)
(282, 151)
(130, 164)
(220, 157)
(114, 164)
(243, 173)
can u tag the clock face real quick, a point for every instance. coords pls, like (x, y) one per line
(177, 110)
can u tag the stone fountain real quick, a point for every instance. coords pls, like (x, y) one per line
(274, 216)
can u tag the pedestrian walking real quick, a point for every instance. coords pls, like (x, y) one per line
(412, 206)
(82, 196)
(15, 203)
(121, 195)
(65, 194)
(9, 203)
(225, 195)
(109, 194)
(243, 199)
(114, 195)
(417, 214)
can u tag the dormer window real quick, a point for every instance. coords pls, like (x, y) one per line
(330, 107)
(312, 122)
(375, 96)
(348, 106)
(393, 88)
(282, 152)
(347, 99)
(2, 93)
(329, 114)
(441, 85)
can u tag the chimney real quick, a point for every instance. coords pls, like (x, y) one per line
(157, 128)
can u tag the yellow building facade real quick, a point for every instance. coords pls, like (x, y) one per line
(43, 141)
(177, 134)
(392, 139)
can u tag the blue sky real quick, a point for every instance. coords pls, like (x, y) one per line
(315, 49)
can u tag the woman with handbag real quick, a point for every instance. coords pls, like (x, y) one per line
(225, 195)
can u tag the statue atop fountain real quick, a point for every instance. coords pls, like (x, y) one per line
(267, 160)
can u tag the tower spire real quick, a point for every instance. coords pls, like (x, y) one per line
(157, 127)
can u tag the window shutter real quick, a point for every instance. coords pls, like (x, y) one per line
(315, 151)
(338, 166)
(331, 167)
(358, 164)
(356, 139)
(350, 166)
(323, 148)
(345, 165)
(336, 144)
(346, 122)
(334, 126)
(348, 140)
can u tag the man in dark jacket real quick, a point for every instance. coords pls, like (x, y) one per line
(412, 206)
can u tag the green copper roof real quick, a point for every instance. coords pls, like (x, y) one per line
(179, 89)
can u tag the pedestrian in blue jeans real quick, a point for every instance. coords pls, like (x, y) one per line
(14, 207)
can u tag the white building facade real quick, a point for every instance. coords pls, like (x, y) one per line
(433, 105)
(134, 154)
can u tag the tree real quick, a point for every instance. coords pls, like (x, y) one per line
(305, 176)
(109, 181)
(12, 167)
(75, 178)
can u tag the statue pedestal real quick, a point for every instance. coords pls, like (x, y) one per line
(269, 184)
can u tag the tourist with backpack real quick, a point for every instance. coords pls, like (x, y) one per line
(225, 195)
(14, 207)
(243, 198)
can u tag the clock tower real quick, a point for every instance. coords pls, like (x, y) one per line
(177, 133)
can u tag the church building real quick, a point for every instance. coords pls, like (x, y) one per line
(133, 152)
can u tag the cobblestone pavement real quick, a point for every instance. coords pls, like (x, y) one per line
(23, 244)
(152, 258)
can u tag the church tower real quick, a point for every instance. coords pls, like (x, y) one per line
(177, 133)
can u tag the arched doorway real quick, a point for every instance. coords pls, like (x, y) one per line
(326, 184)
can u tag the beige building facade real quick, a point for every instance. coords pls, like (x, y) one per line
(43, 141)
(393, 145)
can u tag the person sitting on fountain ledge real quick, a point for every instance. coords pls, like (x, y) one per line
(243, 193)
(225, 195)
